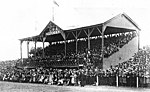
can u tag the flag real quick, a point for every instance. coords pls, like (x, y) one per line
(55, 3)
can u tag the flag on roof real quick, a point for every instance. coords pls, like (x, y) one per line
(55, 3)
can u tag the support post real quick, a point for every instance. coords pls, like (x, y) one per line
(43, 53)
(138, 39)
(102, 53)
(76, 46)
(102, 43)
(21, 50)
(35, 48)
(88, 35)
(87, 39)
(117, 81)
(88, 42)
(65, 47)
(97, 82)
(76, 39)
(65, 36)
(76, 43)
(137, 81)
(28, 49)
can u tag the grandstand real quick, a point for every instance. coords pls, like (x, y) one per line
(100, 45)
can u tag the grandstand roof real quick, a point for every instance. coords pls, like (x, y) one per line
(118, 24)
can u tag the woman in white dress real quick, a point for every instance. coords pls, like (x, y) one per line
(51, 78)
(73, 78)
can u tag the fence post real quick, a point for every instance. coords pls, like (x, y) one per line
(97, 80)
(137, 81)
(117, 80)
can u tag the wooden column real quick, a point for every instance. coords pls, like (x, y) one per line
(88, 38)
(76, 39)
(102, 49)
(88, 35)
(35, 48)
(65, 47)
(76, 43)
(21, 49)
(65, 36)
(117, 80)
(88, 42)
(43, 53)
(28, 49)
(102, 53)
(138, 33)
(97, 80)
(102, 43)
(76, 46)
(137, 81)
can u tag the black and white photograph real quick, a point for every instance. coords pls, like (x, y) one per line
(75, 46)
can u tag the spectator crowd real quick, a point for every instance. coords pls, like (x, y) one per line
(55, 52)
(129, 73)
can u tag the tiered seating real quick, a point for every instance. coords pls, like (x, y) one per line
(137, 66)
(55, 52)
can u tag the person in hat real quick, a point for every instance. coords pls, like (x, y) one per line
(82, 78)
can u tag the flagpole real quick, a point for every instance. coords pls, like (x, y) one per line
(53, 13)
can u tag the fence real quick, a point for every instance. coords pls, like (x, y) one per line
(128, 81)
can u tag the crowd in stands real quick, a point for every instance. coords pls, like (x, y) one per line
(6, 66)
(54, 53)
(126, 72)
(112, 43)
(51, 76)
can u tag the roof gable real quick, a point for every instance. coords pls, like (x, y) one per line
(51, 29)
(122, 21)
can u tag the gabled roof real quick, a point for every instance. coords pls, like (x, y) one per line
(33, 38)
(51, 29)
(122, 21)
(118, 24)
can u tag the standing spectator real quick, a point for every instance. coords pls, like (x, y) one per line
(73, 78)
(51, 78)
(82, 78)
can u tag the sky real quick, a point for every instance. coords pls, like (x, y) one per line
(25, 18)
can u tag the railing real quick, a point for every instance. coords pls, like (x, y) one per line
(127, 81)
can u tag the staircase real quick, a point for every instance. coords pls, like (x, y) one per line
(124, 53)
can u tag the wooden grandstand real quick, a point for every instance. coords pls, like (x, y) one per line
(119, 24)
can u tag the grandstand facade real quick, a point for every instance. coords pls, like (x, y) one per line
(100, 45)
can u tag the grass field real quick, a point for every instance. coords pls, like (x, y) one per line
(29, 87)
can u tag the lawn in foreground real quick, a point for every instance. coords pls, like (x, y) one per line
(29, 87)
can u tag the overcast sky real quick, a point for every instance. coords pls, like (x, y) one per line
(25, 18)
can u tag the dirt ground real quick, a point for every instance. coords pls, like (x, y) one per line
(29, 87)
